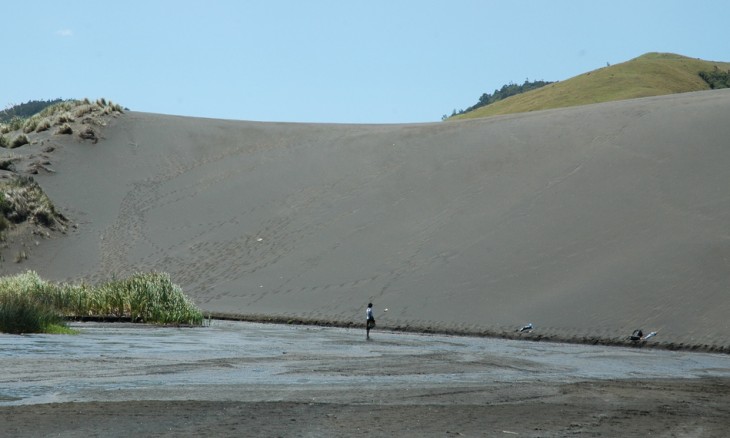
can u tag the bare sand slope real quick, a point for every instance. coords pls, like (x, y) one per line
(589, 221)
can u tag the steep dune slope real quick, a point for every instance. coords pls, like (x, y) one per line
(591, 220)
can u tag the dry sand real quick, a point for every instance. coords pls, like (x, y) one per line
(588, 222)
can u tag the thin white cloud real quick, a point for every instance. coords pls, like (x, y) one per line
(65, 33)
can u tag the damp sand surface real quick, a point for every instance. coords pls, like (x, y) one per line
(279, 380)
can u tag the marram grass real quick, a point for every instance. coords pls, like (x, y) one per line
(58, 114)
(29, 304)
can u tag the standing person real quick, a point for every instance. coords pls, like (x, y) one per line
(370, 320)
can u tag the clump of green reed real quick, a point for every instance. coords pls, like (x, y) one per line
(144, 297)
(21, 310)
(22, 314)
(151, 297)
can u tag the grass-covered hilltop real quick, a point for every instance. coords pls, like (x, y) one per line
(65, 117)
(652, 74)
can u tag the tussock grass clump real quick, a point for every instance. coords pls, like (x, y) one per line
(5, 205)
(4, 208)
(89, 134)
(4, 142)
(112, 108)
(58, 108)
(15, 124)
(30, 125)
(7, 162)
(143, 297)
(65, 129)
(21, 199)
(83, 110)
(19, 140)
(20, 256)
(64, 118)
(43, 125)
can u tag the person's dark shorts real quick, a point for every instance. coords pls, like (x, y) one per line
(371, 323)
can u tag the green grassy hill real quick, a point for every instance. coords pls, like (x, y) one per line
(652, 74)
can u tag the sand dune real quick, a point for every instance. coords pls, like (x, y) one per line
(588, 221)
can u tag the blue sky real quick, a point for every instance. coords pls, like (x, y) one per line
(329, 61)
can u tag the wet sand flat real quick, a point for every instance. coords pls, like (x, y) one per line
(234, 379)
